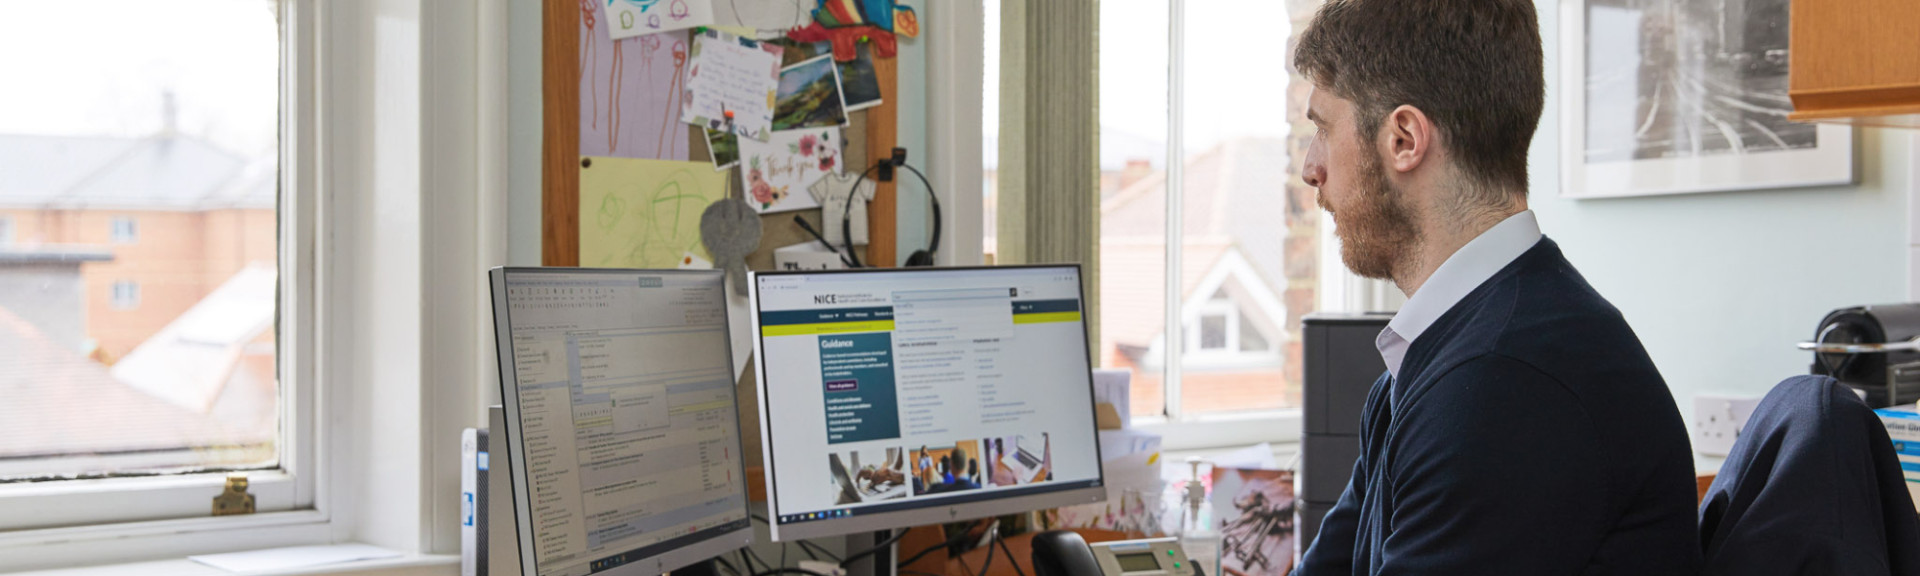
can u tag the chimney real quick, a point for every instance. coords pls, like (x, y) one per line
(169, 110)
(1137, 169)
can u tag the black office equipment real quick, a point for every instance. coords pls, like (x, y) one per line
(1062, 553)
(1341, 366)
(1875, 349)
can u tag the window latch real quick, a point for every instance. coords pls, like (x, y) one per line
(234, 500)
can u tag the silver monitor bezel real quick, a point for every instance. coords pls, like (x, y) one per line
(934, 513)
(714, 545)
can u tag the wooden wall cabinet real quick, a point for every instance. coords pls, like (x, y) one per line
(1855, 62)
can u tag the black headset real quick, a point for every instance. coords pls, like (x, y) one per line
(885, 168)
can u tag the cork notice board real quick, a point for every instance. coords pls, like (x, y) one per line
(869, 134)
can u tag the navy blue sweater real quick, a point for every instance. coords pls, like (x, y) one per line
(1528, 433)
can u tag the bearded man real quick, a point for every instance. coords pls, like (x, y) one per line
(1520, 427)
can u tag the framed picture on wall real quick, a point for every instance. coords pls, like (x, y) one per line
(1681, 96)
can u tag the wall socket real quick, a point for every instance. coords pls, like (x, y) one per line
(1718, 420)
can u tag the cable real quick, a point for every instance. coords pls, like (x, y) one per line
(984, 566)
(883, 545)
(722, 559)
(809, 551)
(756, 558)
(820, 549)
(1010, 557)
(823, 239)
(955, 539)
(899, 159)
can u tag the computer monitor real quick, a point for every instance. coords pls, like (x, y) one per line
(902, 397)
(621, 421)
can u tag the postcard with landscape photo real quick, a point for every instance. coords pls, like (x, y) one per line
(809, 96)
(859, 84)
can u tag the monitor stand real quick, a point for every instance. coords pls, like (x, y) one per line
(879, 563)
(707, 568)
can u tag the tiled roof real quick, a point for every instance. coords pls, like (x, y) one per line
(59, 403)
(1235, 199)
(162, 172)
(191, 362)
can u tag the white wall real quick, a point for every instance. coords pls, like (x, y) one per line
(1720, 286)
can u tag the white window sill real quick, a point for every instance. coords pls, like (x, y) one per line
(410, 565)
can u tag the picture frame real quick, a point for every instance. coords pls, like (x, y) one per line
(1685, 96)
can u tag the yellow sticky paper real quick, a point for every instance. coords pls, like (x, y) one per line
(644, 213)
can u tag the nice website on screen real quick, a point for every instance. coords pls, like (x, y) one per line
(897, 390)
(627, 412)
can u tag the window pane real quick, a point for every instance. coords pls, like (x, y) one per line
(1213, 332)
(1247, 223)
(138, 236)
(1133, 197)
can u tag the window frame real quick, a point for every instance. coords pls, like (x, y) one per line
(131, 234)
(125, 295)
(70, 522)
(1180, 430)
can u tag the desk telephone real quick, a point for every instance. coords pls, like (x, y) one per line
(1063, 553)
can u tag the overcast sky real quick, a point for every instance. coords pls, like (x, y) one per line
(1235, 78)
(100, 67)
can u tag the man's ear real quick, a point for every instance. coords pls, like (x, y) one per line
(1408, 137)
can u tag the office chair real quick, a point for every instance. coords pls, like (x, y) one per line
(1812, 486)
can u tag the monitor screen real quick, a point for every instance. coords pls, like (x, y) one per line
(621, 417)
(894, 398)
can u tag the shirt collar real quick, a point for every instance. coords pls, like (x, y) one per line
(1466, 269)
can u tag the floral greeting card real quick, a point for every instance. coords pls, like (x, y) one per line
(776, 173)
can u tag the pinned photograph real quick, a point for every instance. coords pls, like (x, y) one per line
(724, 149)
(809, 96)
(859, 84)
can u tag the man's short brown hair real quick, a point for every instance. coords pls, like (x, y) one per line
(1473, 66)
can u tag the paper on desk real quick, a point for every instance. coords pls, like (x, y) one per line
(1134, 499)
(293, 557)
(1114, 387)
(1258, 456)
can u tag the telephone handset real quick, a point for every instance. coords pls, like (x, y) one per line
(1063, 553)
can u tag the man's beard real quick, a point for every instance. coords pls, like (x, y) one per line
(1376, 229)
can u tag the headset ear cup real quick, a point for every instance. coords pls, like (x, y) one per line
(920, 258)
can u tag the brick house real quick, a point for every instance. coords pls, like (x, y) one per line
(178, 216)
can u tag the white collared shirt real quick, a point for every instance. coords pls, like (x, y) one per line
(1466, 269)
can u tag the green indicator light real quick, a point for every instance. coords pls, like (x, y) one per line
(1169, 551)
(1176, 565)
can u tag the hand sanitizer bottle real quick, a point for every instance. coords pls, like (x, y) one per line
(1198, 536)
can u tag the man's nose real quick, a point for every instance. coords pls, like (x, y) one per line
(1314, 174)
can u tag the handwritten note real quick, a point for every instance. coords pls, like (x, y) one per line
(644, 213)
(730, 85)
(630, 91)
(631, 18)
(778, 172)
